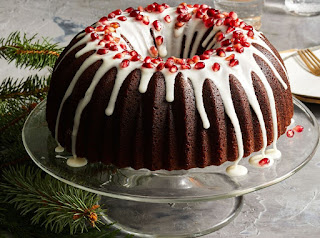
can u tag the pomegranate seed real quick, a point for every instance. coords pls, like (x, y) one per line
(148, 65)
(209, 23)
(159, 40)
(219, 16)
(133, 52)
(230, 29)
(199, 65)
(208, 52)
(102, 51)
(139, 17)
(129, 9)
(169, 63)
(160, 8)
(122, 18)
(117, 12)
(147, 59)
(165, 5)
(204, 18)
(160, 66)
(196, 5)
(154, 51)
(226, 42)
(204, 57)
(227, 21)
(290, 133)
(242, 24)
(239, 48)
(100, 28)
(235, 23)
(204, 6)
(150, 8)
(118, 56)
(89, 29)
(117, 39)
(233, 15)
(220, 52)
(179, 24)
(135, 58)
(211, 12)
(219, 22)
(173, 69)
(182, 9)
(115, 24)
(114, 48)
(141, 9)
(145, 20)
(195, 59)
(157, 25)
(229, 49)
(220, 36)
(245, 44)
(123, 46)
(216, 67)
(199, 15)
(111, 15)
(108, 37)
(134, 13)
(230, 57)
(233, 62)
(264, 161)
(298, 128)
(248, 28)
(179, 61)
(102, 43)
(125, 63)
(167, 18)
(185, 66)
(250, 33)
(94, 36)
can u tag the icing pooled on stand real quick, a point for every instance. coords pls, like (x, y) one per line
(152, 38)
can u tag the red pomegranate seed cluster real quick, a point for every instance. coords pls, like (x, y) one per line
(297, 128)
(230, 40)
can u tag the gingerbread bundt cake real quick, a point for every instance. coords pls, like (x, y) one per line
(168, 88)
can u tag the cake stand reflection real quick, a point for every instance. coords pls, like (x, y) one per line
(161, 203)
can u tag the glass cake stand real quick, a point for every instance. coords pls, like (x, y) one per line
(185, 203)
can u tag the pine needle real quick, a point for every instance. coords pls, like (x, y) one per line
(29, 52)
(54, 205)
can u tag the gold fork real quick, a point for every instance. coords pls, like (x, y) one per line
(311, 61)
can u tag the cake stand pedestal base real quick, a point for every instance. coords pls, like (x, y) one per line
(192, 219)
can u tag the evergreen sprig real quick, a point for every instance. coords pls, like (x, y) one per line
(54, 204)
(29, 52)
(33, 85)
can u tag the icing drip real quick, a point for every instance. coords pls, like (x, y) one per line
(138, 34)
(59, 149)
(76, 162)
(236, 170)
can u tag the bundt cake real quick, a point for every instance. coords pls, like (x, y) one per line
(168, 88)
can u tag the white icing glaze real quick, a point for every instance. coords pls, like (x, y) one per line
(236, 170)
(273, 153)
(76, 162)
(138, 35)
(59, 149)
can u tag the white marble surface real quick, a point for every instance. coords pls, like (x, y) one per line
(288, 209)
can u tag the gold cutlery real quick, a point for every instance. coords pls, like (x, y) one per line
(310, 60)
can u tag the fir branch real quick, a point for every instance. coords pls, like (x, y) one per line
(55, 205)
(29, 52)
(21, 88)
